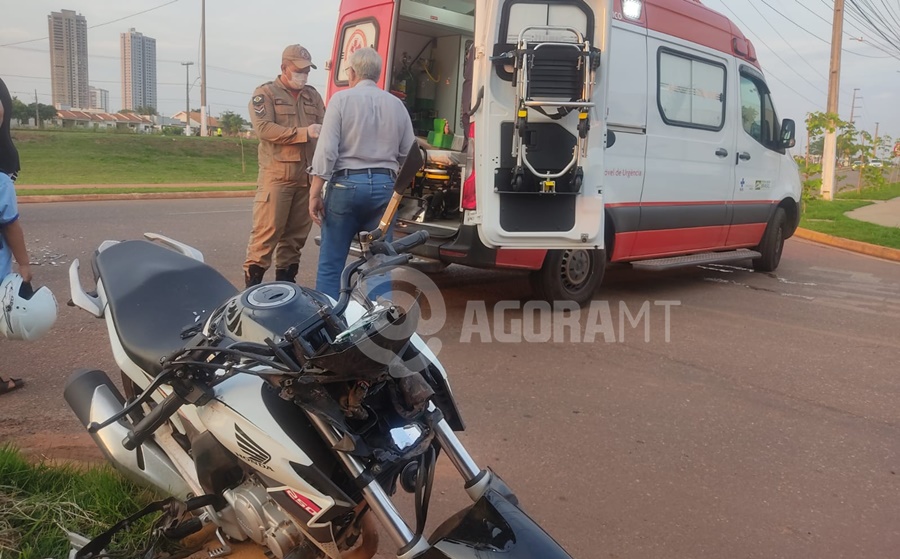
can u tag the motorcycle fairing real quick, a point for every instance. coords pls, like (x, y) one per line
(493, 528)
(248, 429)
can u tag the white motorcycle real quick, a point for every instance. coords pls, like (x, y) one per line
(282, 416)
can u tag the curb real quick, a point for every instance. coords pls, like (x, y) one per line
(860, 247)
(39, 198)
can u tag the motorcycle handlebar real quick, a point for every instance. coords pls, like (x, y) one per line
(153, 421)
(409, 242)
(400, 246)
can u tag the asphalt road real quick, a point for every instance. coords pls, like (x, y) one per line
(767, 426)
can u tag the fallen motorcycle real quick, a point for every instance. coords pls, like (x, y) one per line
(283, 416)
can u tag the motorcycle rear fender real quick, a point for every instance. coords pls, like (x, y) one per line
(493, 528)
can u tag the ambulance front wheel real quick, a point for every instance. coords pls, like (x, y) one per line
(772, 244)
(569, 275)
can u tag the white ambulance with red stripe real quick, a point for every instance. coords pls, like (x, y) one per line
(636, 131)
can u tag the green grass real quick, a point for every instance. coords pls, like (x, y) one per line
(100, 190)
(39, 501)
(828, 217)
(75, 157)
(887, 192)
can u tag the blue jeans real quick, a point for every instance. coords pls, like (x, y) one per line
(352, 204)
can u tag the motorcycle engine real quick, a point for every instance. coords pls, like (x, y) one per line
(262, 520)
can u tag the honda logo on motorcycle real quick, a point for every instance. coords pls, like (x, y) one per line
(253, 453)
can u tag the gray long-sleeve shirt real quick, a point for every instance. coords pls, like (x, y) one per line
(364, 128)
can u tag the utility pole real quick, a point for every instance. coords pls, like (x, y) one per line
(187, 97)
(37, 114)
(834, 84)
(204, 131)
(853, 106)
(875, 143)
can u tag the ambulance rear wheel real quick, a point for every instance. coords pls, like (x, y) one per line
(569, 275)
(772, 243)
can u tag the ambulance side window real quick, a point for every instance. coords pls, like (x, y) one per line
(758, 116)
(691, 91)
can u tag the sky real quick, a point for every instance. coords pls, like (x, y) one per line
(245, 40)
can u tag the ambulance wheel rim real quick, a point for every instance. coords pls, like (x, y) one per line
(576, 268)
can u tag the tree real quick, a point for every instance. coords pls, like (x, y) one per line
(45, 112)
(817, 146)
(20, 110)
(231, 122)
(149, 111)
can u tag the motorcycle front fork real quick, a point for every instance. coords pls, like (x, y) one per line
(410, 545)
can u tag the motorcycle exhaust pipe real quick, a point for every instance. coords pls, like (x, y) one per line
(94, 398)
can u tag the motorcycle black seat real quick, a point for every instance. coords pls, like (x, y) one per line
(154, 294)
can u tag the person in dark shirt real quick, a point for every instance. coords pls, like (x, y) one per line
(9, 156)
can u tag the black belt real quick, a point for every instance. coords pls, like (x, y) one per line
(349, 172)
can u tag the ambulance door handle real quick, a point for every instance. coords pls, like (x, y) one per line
(744, 156)
(722, 152)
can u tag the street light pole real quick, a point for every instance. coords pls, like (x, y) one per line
(829, 151)
(204, 131)
(187, 97)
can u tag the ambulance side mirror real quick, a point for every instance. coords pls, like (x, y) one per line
(610, 138)
(788, 133)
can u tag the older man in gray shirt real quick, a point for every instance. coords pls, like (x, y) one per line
(365, 137)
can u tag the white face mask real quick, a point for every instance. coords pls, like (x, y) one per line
(298, 80)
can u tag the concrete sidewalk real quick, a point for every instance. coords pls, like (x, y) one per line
(135, 186)
(886, 213)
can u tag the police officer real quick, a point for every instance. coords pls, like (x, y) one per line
(287, 116)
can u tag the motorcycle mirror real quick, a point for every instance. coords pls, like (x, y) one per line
(411, 165)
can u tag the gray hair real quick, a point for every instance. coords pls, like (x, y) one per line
(366, 63)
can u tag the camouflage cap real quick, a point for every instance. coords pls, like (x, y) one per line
(299, 56)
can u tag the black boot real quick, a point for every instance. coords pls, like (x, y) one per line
(287, 274)
(254, 275)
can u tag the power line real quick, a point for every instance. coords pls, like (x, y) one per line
(872, 25)
(847, 33)
(747, 27)
(807, 8)
(95, 26)
(788, 43)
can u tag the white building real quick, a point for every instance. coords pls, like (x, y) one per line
(69, 59)
(99, 99)
(138, 70)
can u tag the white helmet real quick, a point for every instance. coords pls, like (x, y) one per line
(25, 315)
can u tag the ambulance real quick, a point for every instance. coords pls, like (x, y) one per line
(633, 131)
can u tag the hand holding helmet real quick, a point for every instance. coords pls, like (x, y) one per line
(25, 314)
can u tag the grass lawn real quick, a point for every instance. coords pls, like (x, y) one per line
(887, 192)
(38, 502)
(828, 217)
(76, 157)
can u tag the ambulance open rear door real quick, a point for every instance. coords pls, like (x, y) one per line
(540, 129)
